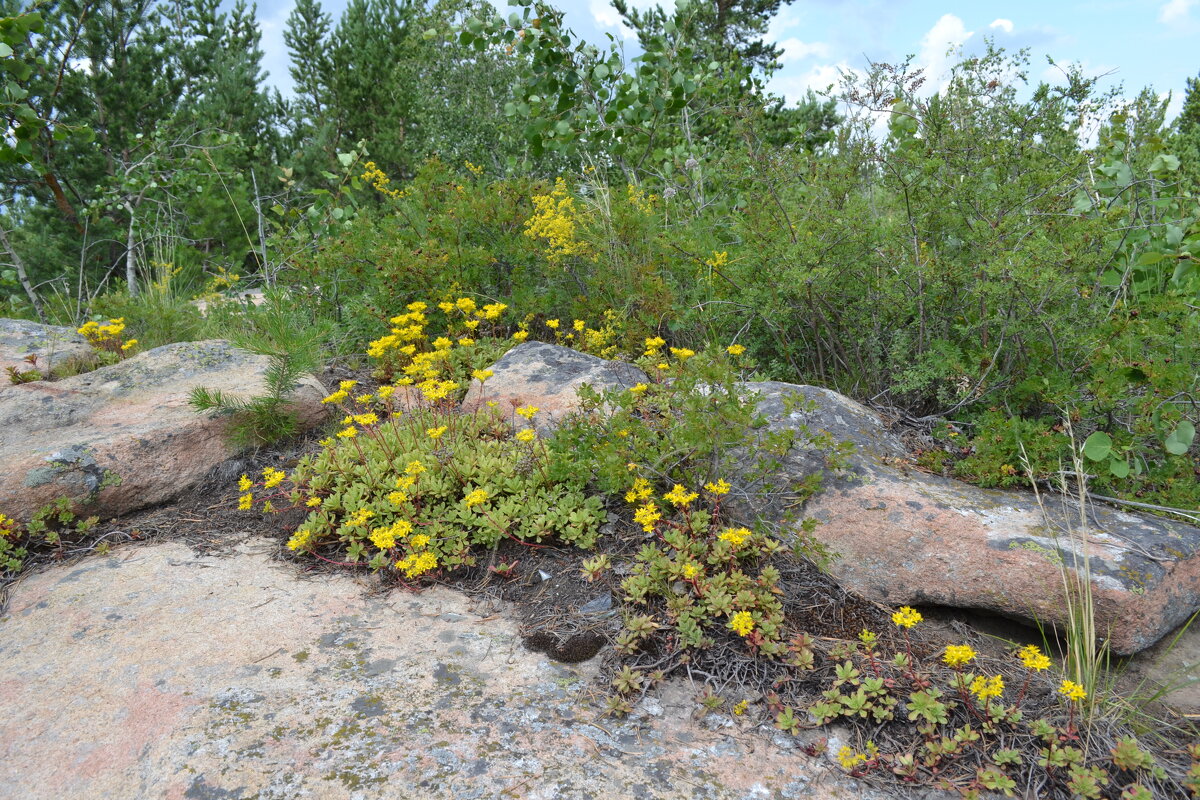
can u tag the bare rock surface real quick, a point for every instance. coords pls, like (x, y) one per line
(905, 537)
(123, 437)
(51, 345)
(547, 376)
(153, 672)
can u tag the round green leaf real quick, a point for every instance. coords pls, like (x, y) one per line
(1119, 468)
(1098, 446)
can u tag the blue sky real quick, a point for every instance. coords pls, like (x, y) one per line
(1140, 42)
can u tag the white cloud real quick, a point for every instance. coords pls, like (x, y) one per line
(1176, 10)
(607, 17)
(1005, 25)
(818, 78)
(796, 50)
(786, 20)
(947, 35)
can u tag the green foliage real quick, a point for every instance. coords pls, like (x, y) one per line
(51, 527)
(295, 344)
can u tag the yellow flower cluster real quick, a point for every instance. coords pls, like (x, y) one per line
(735, 536)
(984, 688)
(680, 497)
(373, 175)
(556, 220)
(742, 623)
(272, 477)
(647, 516)
(906, 617)
(527, 435)
(654, 346)
(385, 537)
(640, 200)
(1072, 691)
(8, 526)
(96, 333)
(416, 564)
(642, 490)
(721, 487)
(958, 655)
(475, 498)
(1033, 658)
(735, 349)
(473, 169)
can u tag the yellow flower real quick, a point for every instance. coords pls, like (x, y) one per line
(638, 388)
(365, 419)
(579, 325)
(983, 688)
(419, 541)
(337, 397)
(129, 345)
(682, 353)
(552, 324)
(471, 324)
(363, 399)
(244, 483)
(906, 617)
(300, 539)
(662, 365)
(272, 477)
(958, 655)
(848, 758)
(690, 571)
(446, 307)
(740, 708)
(442, 343)
(397, 498)
(680, 497)
(641, 490)
(527, 411)
(527, 435)
(482, 375)
(245, 502)
(647, 516)
(735, 536)
(347, 433)
(1072, 691)
(653, 345)
(520, 336)
(434, 433)
(417, 563)
(718, 488)
(475, 498)
(414, 468)
(735, 349)
(466, 342)
(383, 538)
(417, 307)
(313, 502)
(465, 304)
(346, 386)
(386, 392)
(742, 623)
(1033, 658)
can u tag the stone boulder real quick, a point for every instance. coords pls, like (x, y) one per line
(124, 437)
(547, 376)
(906, 537)
(50, 345)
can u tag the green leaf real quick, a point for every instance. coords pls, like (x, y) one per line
(1147, 259)
(1098, 446)
(346, 159)
(1180, 439)
(5, 50)
(1119, 467)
